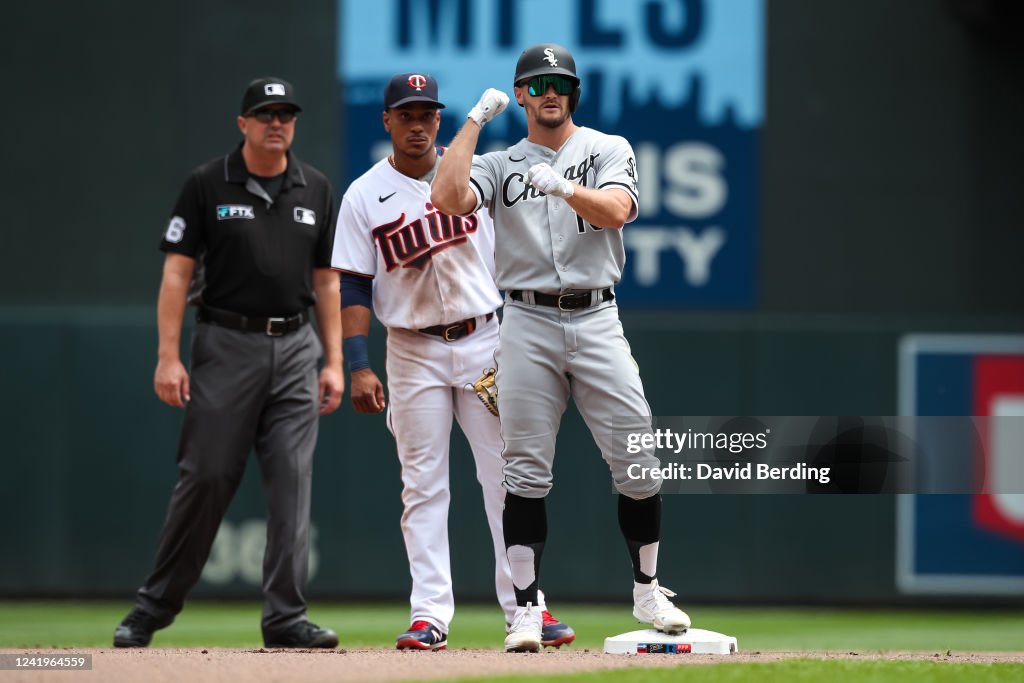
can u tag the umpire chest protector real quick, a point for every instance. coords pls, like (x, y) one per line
(255, 252)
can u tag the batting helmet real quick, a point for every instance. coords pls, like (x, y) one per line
(548, 58)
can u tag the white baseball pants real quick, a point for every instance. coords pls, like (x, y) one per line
(429, 381)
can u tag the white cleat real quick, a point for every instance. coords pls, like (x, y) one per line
(651, 605)
(525, 633)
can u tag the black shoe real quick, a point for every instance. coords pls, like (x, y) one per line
(137, 629)
(303, 634)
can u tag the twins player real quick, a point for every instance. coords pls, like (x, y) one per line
(429, 278)
(559, 200)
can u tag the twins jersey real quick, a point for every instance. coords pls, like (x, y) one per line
(428, 268)
(541, 244)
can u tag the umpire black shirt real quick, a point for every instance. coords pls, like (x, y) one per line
(254, 253)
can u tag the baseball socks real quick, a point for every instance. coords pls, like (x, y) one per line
(640, 522)
(526, 530)
(525, 523)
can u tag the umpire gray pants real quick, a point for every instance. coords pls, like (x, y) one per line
(249, 392)
(545, 356)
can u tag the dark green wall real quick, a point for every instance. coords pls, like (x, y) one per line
(891, 158)
(89, 465)
(120, 100)
(891, 204)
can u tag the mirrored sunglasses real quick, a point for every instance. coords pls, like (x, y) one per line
(538, 85)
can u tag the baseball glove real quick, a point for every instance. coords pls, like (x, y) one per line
(486, 391)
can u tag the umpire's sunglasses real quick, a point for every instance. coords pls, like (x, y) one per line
(538, 85)
(268, 115)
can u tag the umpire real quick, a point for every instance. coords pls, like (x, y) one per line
(249, 243)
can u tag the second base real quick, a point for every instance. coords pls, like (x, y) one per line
(649, 641)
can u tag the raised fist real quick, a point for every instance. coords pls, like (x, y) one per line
(491, 103)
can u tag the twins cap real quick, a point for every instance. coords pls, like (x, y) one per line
(414, 87)
(270, 90)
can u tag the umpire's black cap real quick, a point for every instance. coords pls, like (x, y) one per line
(407, 88)
(270, 90)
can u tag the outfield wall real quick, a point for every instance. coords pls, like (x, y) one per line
(90, 465)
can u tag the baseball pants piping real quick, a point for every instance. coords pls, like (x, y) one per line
(546, 356)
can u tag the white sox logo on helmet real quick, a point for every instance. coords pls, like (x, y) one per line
(549, 55)
(417, 81)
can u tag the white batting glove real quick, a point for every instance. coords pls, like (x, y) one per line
(491, 103)
(544, 178)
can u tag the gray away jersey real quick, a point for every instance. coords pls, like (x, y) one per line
(540, 242)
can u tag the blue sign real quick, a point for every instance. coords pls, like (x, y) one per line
(682, 80)
(964, 544)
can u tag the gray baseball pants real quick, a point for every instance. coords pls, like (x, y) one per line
(545, 356)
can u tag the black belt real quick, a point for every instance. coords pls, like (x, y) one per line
(458, 330)
(569, 301)
(273, 327)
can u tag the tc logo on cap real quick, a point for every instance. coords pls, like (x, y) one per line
(417, 81)
(274, 89)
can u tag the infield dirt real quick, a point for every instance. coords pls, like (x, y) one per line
(157, 665)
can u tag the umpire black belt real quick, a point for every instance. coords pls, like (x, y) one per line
(458, 330)
(567, 301)
(273, 327)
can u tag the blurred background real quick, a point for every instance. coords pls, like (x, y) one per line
(830, 225)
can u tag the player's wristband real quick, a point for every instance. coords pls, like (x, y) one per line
(357, 353)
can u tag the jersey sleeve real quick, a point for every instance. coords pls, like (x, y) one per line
(616, 168)
(184, 231)
(484, 179)
(323, 256)
(353, 242)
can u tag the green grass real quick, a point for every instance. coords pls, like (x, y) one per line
(236, 625)
(91, 624)
(794, 671)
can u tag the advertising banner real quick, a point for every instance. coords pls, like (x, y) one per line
(682, 80)
(965, 544)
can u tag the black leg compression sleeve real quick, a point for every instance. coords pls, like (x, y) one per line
(640, 522)
(525, 523)
(525, 520)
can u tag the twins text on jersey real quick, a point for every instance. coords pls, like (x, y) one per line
(412, 244)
